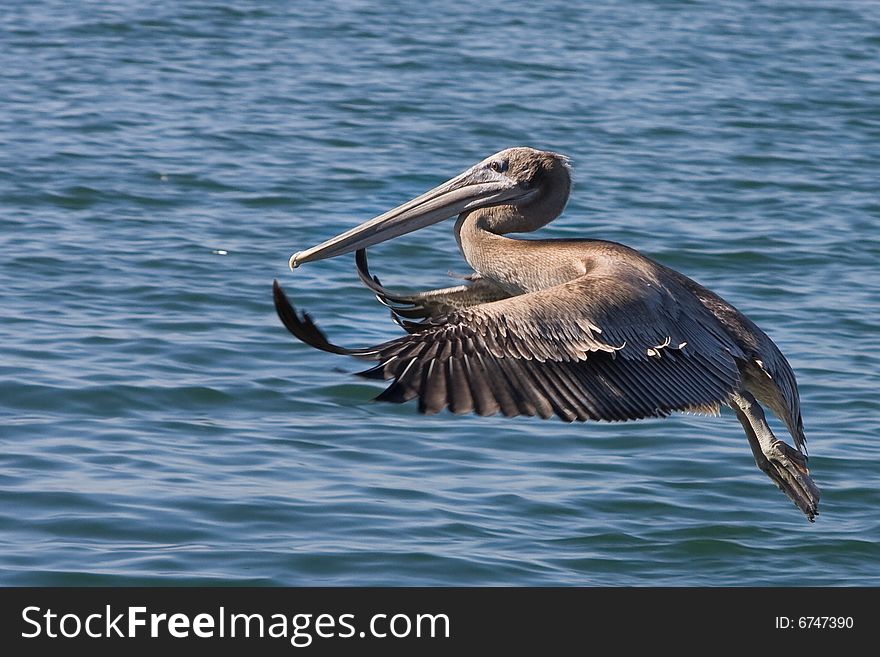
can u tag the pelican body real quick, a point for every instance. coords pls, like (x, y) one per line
(580, 329)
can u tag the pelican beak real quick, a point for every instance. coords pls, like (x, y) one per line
(477, 187)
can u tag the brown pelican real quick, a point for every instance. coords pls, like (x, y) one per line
(581, 329)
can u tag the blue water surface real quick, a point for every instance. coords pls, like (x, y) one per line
(160, 161)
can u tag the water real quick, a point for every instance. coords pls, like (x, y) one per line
(160, 162)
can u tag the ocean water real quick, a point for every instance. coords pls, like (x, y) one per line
(160, 161)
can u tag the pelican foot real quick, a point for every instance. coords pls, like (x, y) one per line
(787, 467)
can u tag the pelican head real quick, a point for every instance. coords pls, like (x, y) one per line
(532, 186)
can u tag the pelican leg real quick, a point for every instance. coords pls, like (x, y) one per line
(786, 466)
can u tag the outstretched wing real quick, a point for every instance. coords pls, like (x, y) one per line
(433, 303)
(596, 348)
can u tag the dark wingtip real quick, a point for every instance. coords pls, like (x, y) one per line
(374, 284)
(303, 329)
(396, 394)
(363, 270)
(376, 373)
(360, 259)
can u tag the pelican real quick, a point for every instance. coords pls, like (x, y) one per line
(578, 328)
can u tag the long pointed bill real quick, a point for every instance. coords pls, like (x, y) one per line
(475, 188)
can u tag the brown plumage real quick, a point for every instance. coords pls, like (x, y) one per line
(580, 329)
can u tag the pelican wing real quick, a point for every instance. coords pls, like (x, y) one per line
(782, 393)
(432, 303)
(595, 348)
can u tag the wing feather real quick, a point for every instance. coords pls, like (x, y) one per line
(433, 303)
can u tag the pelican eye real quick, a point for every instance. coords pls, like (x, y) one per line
(498, 166)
